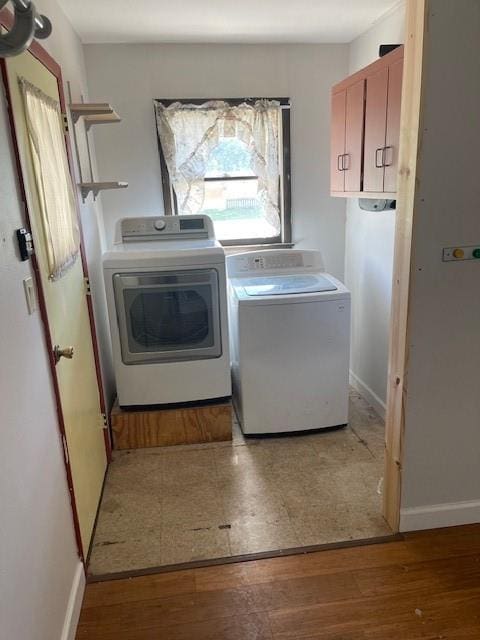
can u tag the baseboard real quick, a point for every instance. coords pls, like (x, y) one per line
(377, 403)
(436, 516)
(74, 604)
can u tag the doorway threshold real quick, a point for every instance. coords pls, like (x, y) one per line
(249, 557)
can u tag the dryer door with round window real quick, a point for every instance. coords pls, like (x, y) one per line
(168, 316)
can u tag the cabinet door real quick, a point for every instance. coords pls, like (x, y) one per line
(395, 72)
(375, 126)
(352, 163)
(337, 144)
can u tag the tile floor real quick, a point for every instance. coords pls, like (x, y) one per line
(172, 505)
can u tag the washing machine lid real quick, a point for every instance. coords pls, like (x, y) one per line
(287, 285)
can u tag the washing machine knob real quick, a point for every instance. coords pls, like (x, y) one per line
(159, 225)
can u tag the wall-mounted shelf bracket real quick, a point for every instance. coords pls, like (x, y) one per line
(96, 187)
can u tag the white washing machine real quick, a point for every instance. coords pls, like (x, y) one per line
(289, 341)
(165, 282)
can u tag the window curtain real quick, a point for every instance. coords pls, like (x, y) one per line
(53, 179)
(188, 134)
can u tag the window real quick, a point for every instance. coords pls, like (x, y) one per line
(229, 159)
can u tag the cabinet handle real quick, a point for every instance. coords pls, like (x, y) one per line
(377, 151)
(340, 167)
(346, 165)
(384, 155)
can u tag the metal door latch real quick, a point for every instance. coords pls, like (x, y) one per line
(25, 243)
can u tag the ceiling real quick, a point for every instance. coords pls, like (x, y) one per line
(227, 21)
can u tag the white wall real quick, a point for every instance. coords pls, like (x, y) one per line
(39, 565)
(369, 249)
(130, 76)
(441, 476)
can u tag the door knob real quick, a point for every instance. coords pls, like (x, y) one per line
(66, 352)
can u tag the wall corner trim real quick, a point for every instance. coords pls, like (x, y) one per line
(435, 516)
(74, 605)
(370, 396)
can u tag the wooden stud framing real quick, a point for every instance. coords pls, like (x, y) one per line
(398, 353)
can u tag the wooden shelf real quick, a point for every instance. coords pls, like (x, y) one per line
(92, 109)
(96, 187)
(101, 118)
(92, 113)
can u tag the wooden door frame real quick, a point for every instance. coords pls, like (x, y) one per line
(38, 52)
(410, 142)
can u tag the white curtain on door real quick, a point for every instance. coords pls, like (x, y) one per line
(188, 134)
(53, 179)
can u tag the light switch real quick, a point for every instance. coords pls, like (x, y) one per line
(29, 289)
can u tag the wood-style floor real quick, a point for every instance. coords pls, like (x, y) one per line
(426, 586)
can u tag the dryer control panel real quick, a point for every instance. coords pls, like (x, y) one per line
(164, 228)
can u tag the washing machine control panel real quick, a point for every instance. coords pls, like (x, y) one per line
(270, 260)
(274, 260)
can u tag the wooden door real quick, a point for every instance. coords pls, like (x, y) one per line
(375, 126)
(392, 139)
(67, 320)
(337, 144)
(352, 163)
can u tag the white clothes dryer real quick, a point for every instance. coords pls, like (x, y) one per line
(165, 283)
